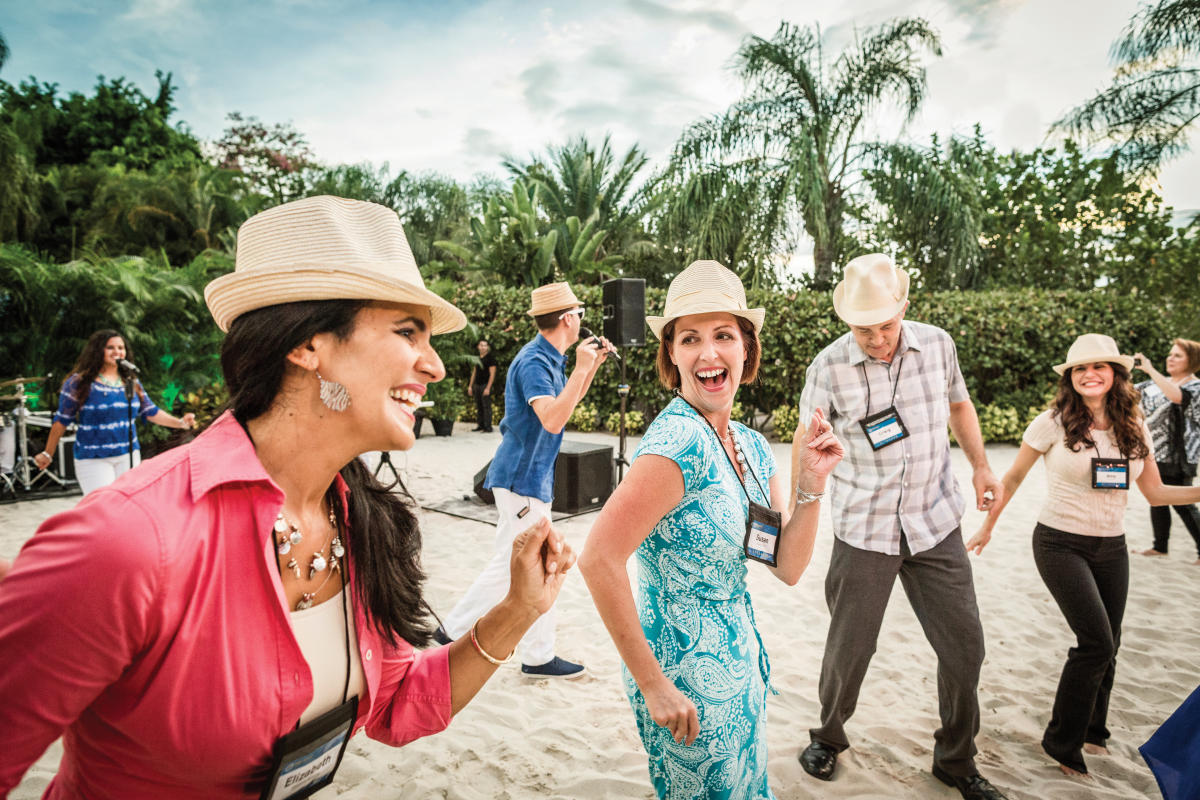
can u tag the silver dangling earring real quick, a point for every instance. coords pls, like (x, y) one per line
(333, 394)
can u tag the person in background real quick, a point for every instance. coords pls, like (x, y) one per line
(1095, 445)
(197, 630)
(538, 401)
(480, 387)
(892, 388)
(695, 669)
(1171, 404)
(96, 395)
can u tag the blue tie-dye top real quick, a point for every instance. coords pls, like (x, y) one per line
(104, 419)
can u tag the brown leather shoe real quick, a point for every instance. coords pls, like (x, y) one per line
(971, 787)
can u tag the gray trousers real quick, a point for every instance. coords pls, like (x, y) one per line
(940, 588)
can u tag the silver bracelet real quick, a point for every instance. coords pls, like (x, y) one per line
(803, 497)
(47, 455)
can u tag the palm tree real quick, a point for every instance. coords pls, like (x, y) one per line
(578, 180)
(3, 51)
(1154, 97)
(797, 136)
(930, 203)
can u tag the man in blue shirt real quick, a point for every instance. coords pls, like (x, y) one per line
(538, 401)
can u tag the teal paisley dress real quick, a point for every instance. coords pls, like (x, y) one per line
(696, 614)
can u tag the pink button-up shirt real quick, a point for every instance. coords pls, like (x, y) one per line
(148, 627)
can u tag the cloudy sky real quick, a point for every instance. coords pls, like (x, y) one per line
(454, 85)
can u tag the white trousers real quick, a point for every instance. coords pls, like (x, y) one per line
(537, 646)
(95, 473)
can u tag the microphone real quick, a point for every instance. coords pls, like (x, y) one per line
(584, 333)
(128, 366)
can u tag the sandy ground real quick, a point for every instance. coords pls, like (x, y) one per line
(525, 738)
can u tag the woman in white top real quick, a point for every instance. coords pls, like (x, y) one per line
(1095, 444)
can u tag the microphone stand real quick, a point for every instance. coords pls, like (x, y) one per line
(623, 391)
(129, 404)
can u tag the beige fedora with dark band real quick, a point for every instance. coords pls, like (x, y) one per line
(705, 287)
(1091, 348)
(552, 297)
(873, 291)
(324, 248)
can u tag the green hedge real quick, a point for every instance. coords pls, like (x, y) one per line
(1007, 340)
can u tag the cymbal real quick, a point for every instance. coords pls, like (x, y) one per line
(15, 381)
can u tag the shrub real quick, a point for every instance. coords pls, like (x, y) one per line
(635, 423)
(786, 420)
(1004, 424)
(584, 418)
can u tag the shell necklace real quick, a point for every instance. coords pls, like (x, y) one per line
(287, 533)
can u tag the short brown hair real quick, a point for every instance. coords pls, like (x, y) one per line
(1190, 349)
(549, 320)
(668, 373)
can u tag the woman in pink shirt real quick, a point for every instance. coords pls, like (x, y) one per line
(216, 622)
(1095, 445)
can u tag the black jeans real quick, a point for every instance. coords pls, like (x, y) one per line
(1160, 516)
(483, 408)
(1089, 579)
(941, 590)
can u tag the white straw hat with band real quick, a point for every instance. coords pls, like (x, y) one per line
(324, 248)
(552, 297)
(1091, 348)
(705, 287)
(873, 290)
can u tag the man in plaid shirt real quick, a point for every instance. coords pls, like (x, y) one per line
(890, 387)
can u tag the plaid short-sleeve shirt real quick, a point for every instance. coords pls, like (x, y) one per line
(908, 485)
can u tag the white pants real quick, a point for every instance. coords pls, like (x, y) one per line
(96, 473)
(537, 646)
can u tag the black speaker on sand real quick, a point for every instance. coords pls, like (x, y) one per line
(624, 302)
(583, 477)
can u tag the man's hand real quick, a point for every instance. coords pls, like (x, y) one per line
(590, 355)
(988, 488)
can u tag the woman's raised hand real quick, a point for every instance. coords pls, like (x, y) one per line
(539, 565)
(818, 451)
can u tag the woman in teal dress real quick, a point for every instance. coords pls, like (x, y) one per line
(695, 670)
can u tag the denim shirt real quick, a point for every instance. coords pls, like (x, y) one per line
(524, 463)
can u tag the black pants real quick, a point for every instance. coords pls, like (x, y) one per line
(1089, 579)
(941, 590)
(483, 408)
(1160, 516)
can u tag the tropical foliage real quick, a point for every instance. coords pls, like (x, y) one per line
(1154, 98)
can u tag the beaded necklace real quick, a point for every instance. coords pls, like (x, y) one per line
(287, 533)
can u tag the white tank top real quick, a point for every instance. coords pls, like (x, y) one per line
(321, 633)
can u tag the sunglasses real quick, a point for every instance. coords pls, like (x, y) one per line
(578, 311)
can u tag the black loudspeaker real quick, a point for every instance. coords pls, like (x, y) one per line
(484, 494)
(583, 476)
(625, 311)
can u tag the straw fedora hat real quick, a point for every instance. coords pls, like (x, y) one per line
(873, 291)
(324, 248)
(552, 297)
(705, 287)
(1090, 348)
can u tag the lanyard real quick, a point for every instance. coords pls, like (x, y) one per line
(899, 366)
(741, 480)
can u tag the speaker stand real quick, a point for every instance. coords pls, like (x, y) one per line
(623, 391)
(385, 458)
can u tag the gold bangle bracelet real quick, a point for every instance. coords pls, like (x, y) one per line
(491, 659)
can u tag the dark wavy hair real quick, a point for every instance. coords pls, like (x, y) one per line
(384, 540)
(91, 361)
(1122, 405)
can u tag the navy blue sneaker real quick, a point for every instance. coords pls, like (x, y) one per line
(440, 636)
(554, 668)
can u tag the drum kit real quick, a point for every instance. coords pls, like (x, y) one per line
(17, 468)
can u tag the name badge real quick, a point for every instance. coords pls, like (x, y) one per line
(884, 428)
(762, 534)
(1110, 473)
(307, 758)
